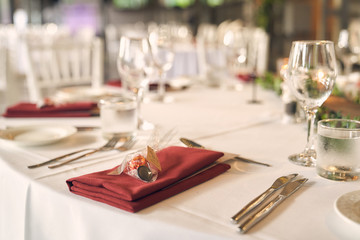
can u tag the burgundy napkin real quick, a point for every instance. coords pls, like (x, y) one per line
(78, 109)
(245, 77)
(114, 83)
(131, 194)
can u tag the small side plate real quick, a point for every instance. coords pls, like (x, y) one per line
(348, 207)
(36, 135)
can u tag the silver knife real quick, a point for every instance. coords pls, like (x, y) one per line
(262, 213)
(278, 183)
(191, 143)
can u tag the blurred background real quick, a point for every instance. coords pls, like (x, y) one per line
(283, 20)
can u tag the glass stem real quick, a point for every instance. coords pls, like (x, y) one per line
(161, 85)
(310, 130)
(139, 97)
(254, 89)
(347, 66)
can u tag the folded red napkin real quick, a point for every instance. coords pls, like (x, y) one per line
(131, 194)
(78, 109)
(114, 83)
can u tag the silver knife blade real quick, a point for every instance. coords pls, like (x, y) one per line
(278, 183)
(288, 190)
(251, 161)
(191, 143)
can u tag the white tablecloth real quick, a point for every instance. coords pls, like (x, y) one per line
(36, 203)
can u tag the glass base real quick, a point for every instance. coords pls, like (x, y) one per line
(154, 97)
(338, 173)
(145, 125)
(123, 137)
(163, 99)
(254, 101)
(307, 159)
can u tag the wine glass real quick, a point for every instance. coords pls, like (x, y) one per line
(135, 64)
(162, 48)
(241, 53)
(311, 75)
(346, 52)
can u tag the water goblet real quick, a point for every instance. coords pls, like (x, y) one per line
(135, 64)
(162, 49)
(310, 75)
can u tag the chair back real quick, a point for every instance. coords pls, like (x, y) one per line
(10, 82)
(62, 63)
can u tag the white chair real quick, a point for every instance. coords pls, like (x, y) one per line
(11, 80)
(63, 63)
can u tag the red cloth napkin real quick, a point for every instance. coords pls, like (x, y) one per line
(114, 83)
(79, 109)
(131, 194)
(245, 77)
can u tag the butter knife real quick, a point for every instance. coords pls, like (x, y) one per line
(191, 143)
(288, 190)
(278, 183)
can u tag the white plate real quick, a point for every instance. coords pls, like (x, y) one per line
(36, 135)
(83, 93)
(348, 207)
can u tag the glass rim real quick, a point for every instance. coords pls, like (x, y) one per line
(339, 128)
(315, 42)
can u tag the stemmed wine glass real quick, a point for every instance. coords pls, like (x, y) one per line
(241, 56)
(162, 48)
(311, 75)
(135, 64)
(346, 52)
(253, 63)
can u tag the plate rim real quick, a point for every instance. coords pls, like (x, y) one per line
(70, 130)
(342, 214)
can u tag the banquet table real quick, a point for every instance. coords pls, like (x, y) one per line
(37, 204)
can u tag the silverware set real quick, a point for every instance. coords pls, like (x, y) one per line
(110, 145)
(247, 217)
(258, 208)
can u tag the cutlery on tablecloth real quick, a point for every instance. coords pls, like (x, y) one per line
(111, 143)
(126, 146)
(288, 190)
(278, 183)
(191, 143)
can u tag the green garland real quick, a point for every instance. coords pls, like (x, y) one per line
(273, 82)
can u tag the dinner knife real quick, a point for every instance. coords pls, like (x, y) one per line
(191, 143)
(288, 190)
(278, 183)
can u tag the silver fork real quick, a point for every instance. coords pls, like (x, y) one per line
(127, 145)
(111, 142)
(110, 145)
